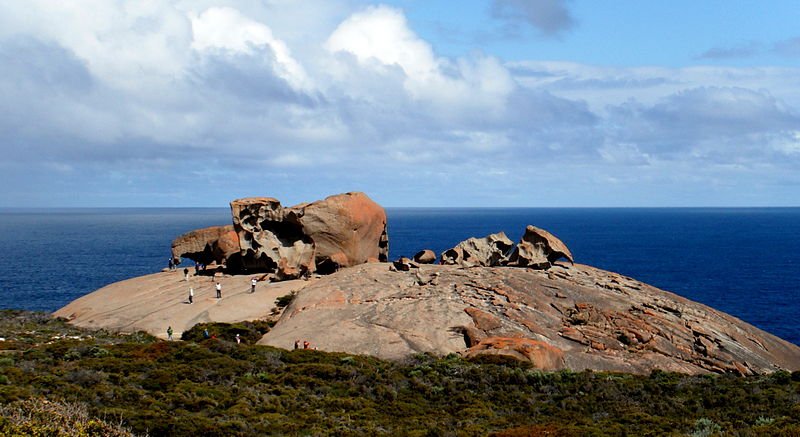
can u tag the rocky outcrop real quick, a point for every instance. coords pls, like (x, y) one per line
(425, 257)
(540, 354)
(538, 249)
(215, 244)
(322, 236)
(270, 239)
(570, 316)
(347, 229)
(488, 251)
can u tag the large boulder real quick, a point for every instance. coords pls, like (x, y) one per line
(425, 257)
(347, 229)
(215, 244)
(488, 251)
(538, 249)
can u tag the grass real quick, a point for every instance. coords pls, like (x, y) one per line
(217, 387)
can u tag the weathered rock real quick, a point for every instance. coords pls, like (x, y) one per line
(323, 236)
(538, 249)
(347, 229)
(271, 240)
(566, 317)
(488, 251)
(425, 257)
(214, 244)
(542, 355)
(404, 264)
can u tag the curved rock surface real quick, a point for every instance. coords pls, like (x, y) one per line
(153, 302)
(214, 244)
(571, 316)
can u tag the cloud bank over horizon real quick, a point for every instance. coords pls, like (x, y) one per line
(194, 103)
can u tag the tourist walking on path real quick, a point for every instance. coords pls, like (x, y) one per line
(186, 273)
(191, 294)
(169, 333)
(219, 290)
(253, 285)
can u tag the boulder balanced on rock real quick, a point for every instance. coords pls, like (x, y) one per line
(340, 231)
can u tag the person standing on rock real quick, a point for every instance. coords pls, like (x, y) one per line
(191, 295)
(171, 263)
(169, 333)
(253, 285)
(186, 274)
(306, 344)
(296, 344)
(219, 290)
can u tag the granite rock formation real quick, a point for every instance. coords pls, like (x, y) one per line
(425, 257)
(214, 244)
(570, 316)
(271, 239)
(489, 251)
(538, 249)
(322, 236)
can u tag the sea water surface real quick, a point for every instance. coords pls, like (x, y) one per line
(744, 261)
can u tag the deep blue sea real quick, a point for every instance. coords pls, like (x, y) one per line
(744, 261)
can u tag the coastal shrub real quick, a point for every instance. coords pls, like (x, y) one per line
(705, 427)
(249, 332)
(41, 417)
(216, 387)
(285, 300)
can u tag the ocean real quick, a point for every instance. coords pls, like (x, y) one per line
(744, 261)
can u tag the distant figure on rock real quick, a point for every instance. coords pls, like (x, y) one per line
(238, 340)
(206, 334)
(196, 268)
(186, 274)
(171, 264)
(296, 344)
(169, 333)
(219, 290)
(253, 285)
(191, 295)
(306, 344)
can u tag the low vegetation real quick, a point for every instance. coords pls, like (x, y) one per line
(216, 387)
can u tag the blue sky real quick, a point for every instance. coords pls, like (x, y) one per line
(417, 103)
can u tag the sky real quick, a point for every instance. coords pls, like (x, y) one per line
(485, 103)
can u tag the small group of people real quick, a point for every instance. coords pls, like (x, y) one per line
(218, 288)
(306, 344)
